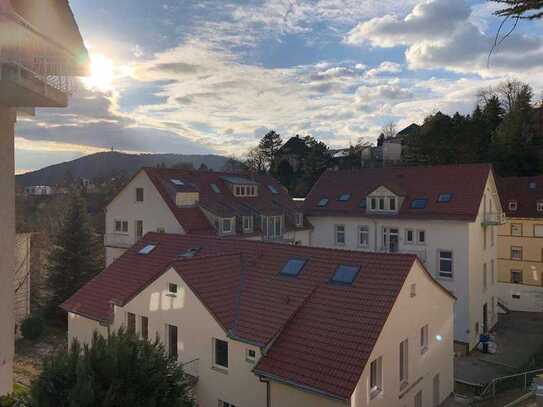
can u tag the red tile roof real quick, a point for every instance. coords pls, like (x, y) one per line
(518, 189)
(224, 203)
(465, 182)
(321, 334)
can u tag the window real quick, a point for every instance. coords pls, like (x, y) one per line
(144, 321)
(160, 230)
(516, 276)
(245, 190)
(193, 251)
(220, 353)
(139, 229)
(362, 204)
(323, 202)
(340, 235)
(419, 203)
(250, 355)
(376, 377)
(540, 206)
(215, 188)
(418, 399)
(247, 224)
(121, 226)
(172, 288)
(404, 355)
(512, 205)
(445, 198)
(177, 182)
(516, 229)
(409, 236)
(293, 267)
(363, 236)
(345, 274)
(413, 290)
(226, 225)
(373, 203)
(516, 253)
(485, 278)
(421, 237)
(381, 204)
(532, 186)
(392, 204)
(445, 259)
(299, 219)
(272, 227)
(139, 194)
(225, 404)
(344, 197)
(131, 323)
(492, 273)
(172, 341)
(538, 230)
(273, 190)
(147, 249)
(423, 339)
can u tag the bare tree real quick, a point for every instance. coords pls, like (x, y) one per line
(525, 9)
(389, 130)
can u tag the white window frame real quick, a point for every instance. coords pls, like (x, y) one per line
(517, 249)
(337, 232)
(138, 222)
(518, 227)
(540, 226)
(424, 337)
(375, 379)
(403, 367)
(520, 273)
(299, 219)
(248, 357)
(407, 232)
(382, 203)
(142, 194)
(419, 241)
(363, 230)
(230, 230)
(249, 226)
(539, 206)
(445, 274)
(214, 354)
(512, 205)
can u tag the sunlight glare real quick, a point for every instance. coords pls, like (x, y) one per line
(101, 77)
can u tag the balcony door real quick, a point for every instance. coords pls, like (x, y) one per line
(391, 240)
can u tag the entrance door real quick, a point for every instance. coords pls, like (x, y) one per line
(390, 240)
(485, 318)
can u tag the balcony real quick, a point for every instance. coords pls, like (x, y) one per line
(34, 69)
(192, 371)
(493, 219)
(119, 240)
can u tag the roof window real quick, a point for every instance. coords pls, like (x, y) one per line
(193, 251)
(215, 188)
(273, 190)
(532, 186)
(362, 204)
(345, 274)
(445, 198)
(323, 202)
(512, 205)
(419, 203)
(344, 197)
(147, 249)
(177, 182)
(293, 267)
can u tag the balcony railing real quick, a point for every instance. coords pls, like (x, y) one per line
(493, 218)
(191, 369)
(23, 47)
(120, 240)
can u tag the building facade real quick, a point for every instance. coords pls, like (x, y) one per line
(520, 244)
(202, 202)
(40, 46)
(260, 324)
(433, 212)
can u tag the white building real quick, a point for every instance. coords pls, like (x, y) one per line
(447, 215)
(38, 190)
(260, 324)
(201, 202)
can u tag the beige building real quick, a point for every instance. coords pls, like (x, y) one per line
(202, 202)
(446, 215)
(260, 324)
(520, 244)
(40, 46)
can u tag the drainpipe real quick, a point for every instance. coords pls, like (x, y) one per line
(375, 235)
(268, 395)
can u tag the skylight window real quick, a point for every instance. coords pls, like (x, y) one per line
(177, 182)
(344, 197)
(345, 274)
(215, 188)
(293, 267)
(323, 202)
(193, 251)
(532, 186)
(445, 198)
(147, 249)
(362, 204)
(273, 190)
(419, 203)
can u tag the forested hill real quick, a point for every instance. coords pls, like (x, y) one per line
(110, 164)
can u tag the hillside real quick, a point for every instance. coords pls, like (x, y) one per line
(110, 164)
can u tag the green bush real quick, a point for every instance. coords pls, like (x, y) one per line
(33, 327)
(19, 398)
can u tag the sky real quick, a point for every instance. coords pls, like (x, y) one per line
(213, 76)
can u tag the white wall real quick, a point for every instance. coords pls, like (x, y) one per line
(154, 212)
(83, 329)
(530, 298)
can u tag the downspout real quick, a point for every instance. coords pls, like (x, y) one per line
(375, 235)
(268, 393)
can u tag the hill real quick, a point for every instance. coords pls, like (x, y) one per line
(110, 164)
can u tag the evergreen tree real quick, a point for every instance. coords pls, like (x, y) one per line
(76, 256)
(315, 163)
(268, 147)
(120, 371)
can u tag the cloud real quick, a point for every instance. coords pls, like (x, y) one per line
(443, 34)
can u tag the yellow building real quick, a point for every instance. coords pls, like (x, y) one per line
(520, 244)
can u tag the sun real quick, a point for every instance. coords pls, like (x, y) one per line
(101, 73)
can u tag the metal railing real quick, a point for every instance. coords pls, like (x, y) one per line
(516, 381)
(494, 218)
(26, 49)
(191, 368)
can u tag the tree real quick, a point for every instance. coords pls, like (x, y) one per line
(389, 130)
(525, 9)
(120, 371)
(269, 145)
(76, 256)
(315, 163)
(256, 161)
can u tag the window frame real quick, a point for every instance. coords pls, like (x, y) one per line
(299, 219)
(144, 332)
(519, 273)
(140, 193)
(363, 229)
(249, 227)
(407, 232)
(539, 206)
(424, 339)
(513, 225)
(173, 351)
(131, 323)
(230, 229)
(403, 369)
(216, 363)
(535, 228)
(337, 232)
(445, 274)
(418, 234)
(519, 250)
(375, 379)
(512, 205)
(248, 357)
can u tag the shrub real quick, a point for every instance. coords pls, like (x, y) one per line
(33, 327)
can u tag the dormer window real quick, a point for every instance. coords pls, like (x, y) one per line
(540, 206)
(512, 205)
(299, 219)
(243, 191)
(247, 224)
(226, 225)
(382, 204)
